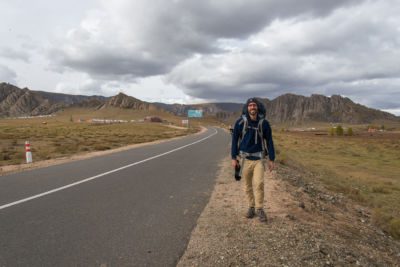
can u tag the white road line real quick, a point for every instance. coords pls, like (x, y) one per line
(102, 174)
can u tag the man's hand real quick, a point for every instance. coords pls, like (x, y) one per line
(234, 163)
(271, 165)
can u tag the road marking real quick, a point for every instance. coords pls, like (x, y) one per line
(102, 174)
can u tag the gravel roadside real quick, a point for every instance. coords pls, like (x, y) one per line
(307, 226)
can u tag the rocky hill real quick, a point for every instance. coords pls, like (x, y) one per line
(293, 109)
(16, 102)
(23, 102)
(296, 109)
(124, 101)
(286, 108)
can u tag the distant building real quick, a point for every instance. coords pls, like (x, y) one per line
(153, 119)
(106, 121)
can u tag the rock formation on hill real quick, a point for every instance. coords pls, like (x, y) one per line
(23, 102)
(16, 102)
(286, 108)
(296, 108)
(123, 101)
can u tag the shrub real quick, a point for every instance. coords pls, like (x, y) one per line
(339, 130)
(380, 218)
(332, 131)
(394, 228)
(380, 190)
(350, 131)
(101, 147)
(282, 159)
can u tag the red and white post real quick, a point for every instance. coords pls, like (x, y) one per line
(28, 152)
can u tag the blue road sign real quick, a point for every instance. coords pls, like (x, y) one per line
(192, 113)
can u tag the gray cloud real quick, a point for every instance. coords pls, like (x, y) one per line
(238, 19)
(227, 50)
(7, 75)
(345, 52)
(11, 53)
(143, 38)
(106, 64)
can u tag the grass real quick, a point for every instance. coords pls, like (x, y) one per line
(365, 167)
(57, 136)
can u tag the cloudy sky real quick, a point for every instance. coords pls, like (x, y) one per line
(190, 51)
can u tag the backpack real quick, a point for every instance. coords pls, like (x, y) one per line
(260, 133)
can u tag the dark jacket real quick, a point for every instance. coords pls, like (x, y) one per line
(248, 143)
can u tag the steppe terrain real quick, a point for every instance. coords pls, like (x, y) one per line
(70, 134)
(333, 200)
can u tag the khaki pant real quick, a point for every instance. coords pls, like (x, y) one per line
(253, 177)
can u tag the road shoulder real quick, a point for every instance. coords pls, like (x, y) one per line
(306, 226)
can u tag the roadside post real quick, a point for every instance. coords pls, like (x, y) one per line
(186, 123)
(28, 152)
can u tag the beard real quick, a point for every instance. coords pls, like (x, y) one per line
(253, 112)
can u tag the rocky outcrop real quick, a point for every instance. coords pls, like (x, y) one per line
(123, 101)
(23, 102)
(286, 108)
(16, 102)
(297, 109)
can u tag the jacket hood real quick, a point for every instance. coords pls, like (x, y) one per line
(260, 105)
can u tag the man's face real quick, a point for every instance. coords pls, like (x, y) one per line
(252, 108)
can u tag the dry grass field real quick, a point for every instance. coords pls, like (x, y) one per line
(71, 133)
(364, 167)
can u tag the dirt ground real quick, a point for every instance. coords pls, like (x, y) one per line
(307, 226)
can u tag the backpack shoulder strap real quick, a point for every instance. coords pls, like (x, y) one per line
(245, 125)
(243, 121)
(260, 130)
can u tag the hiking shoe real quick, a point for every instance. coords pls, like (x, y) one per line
(261, 215)
(250, 213)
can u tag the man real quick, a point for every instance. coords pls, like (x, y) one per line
(252, 150)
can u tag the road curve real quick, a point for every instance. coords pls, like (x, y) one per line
(131, 208)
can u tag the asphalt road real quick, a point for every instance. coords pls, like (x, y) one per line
(132, 208)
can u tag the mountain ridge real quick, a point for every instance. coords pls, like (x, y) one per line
(285, 108)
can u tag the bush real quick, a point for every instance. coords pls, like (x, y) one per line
(339, 130)
(282, 159)
(350, 131)
(101, 147)
(380, 218)
(6, 157)
(394, 228)
(332, 131)
(380, 190)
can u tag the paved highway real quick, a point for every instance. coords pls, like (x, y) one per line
(132, 208)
